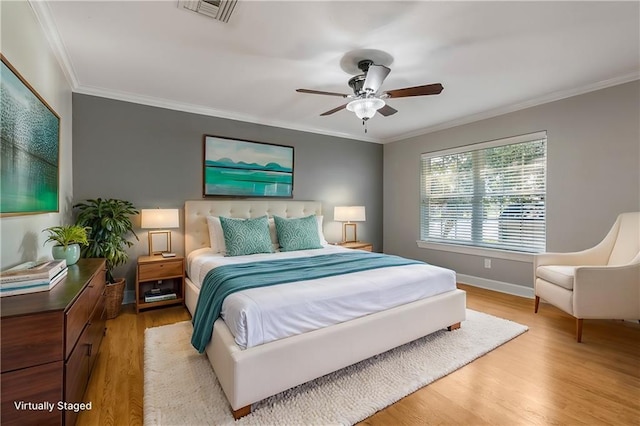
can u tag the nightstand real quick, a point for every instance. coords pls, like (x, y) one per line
(159, 281)
(358, 245)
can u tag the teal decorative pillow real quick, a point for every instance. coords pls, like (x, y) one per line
(246, 236)
(297, 234)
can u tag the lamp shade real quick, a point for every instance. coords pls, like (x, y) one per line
(349, 214)
(365, 108)
(159, 218)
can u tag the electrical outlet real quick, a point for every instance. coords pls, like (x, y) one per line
(487, 263)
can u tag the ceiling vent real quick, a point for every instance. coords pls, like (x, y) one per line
(216, 9)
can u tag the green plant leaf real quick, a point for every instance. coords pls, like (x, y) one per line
(68, 234)
(110, 227)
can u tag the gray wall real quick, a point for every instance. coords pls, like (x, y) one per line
(593, 175)
(153, 158)
(25, 45)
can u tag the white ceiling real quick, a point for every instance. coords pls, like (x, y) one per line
(491, 57)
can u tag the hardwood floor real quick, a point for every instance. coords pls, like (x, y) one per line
(541, 377)
(116, 383)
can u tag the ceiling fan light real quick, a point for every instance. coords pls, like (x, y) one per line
(365, 108)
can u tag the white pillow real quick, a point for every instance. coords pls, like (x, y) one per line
(323, 240)
(216, 236)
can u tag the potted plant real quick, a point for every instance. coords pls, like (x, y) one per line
(67, 239)
(111, 226)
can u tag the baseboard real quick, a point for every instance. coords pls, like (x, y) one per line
(502, 287)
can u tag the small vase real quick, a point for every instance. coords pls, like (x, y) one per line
(71, 253)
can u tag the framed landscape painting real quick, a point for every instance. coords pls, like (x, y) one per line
(29, 150)
(239, 168)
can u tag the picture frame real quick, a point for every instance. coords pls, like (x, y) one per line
(159, 242)
(30, 148)
(242, 168)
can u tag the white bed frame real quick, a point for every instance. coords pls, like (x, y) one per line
(251, 375)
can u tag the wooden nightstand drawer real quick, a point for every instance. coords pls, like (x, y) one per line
(164, 276)
(159, 270)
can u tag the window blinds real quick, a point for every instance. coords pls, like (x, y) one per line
(487, 195)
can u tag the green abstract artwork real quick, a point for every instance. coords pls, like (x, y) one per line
(29, 131)
(247, 169)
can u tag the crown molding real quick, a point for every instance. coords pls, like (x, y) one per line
(198, 109)
(552, 97)
(43, 15)
(202, 110)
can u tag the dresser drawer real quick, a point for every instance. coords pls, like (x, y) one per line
(162, 270)
(96, 285)
(76, 318)
(19, 386)
(31, 340)
(77, 369)
(77, 375)
(95, 330)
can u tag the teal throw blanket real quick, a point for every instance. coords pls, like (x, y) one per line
(225, 280)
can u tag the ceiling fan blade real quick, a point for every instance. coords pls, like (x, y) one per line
(318, 92)
(387, 110)
(375, 76)
(331, 111)
(428, 89)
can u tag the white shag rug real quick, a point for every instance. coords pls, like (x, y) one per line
(180, 387)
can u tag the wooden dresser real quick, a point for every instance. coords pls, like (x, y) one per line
(49, 343)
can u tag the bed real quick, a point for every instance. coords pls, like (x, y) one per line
(251, 372)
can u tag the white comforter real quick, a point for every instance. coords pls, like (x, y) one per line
(265, 314)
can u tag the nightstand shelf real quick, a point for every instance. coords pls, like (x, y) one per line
(357, 245)
(157, 272)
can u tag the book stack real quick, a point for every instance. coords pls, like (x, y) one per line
(158, 294)
(32, 277)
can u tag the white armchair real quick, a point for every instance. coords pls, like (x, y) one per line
(602, 282)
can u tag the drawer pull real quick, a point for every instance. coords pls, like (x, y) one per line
(89, 349)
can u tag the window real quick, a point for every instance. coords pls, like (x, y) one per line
(489, 195)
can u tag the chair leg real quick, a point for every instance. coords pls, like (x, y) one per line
(537, 304)
(579, 330)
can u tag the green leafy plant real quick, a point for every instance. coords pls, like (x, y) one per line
(68, 234)
(110, 223)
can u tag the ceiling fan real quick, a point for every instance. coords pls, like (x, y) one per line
(367, 98)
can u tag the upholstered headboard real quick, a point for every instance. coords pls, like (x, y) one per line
(196, 233)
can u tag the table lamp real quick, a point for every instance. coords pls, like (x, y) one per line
(348, 214)
(159, 241)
